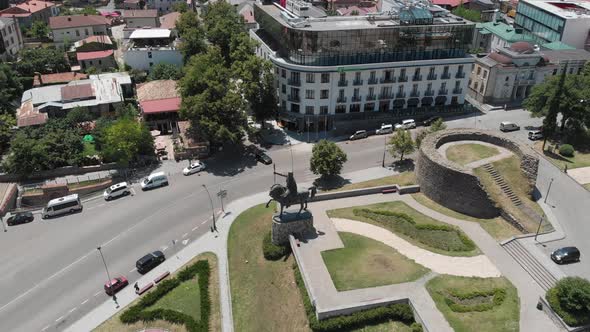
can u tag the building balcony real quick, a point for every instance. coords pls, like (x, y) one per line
(294, 98)
(342, 83)
(429, 93)
(402, 79)
(387, 80)
(432, 77)
(417, 78)
(386, 96)
(460, 74)
(373, 81)
(457, 91)
(370, 97)
(400, 95)
(341, 99)
(294, 82)
(443, 92)
(356, 98)
(446, 76)
(415, 94)
(357, 82)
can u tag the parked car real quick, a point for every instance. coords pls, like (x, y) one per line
(115, 285)
(508, 126)
(358, 135)
(566, 255)
(194, 167)
(20, 218)
(385, 129)
(535, 135)
(116, 190)
(62, 205)
(149, 261)
(154, 180)
(430, 120)
(262, 157)
(406, 124)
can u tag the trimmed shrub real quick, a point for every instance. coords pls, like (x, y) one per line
(141, 311)
(271, 251)
(570, 299)
(442, 237)
(566, 150)
(399, 312)
(416, 327)
(499, 294)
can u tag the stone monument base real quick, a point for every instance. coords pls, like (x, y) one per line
(290, 223)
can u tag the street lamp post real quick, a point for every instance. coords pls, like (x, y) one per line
(108, 274)
(538, 228)
(384, 149)
(547, 195)
(212, 210)
(3, 226)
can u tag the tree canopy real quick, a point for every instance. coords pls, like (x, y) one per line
(7, 122)
(38, 29)
(41, 60)
(125, 139)
(88, 10)
(327, 158)
(222, 23)
(165, 71)
(11, 89)
(193, 36)
(401, 144)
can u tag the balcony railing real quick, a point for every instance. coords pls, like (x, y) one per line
(400, 95)
(443, 91)
(457, 91)
(417, 78)
(402, 79)
(294, 82)
(357, 82)
(446, 76)
(370, 97)
(415, 94)
(460, 74)
(373, 80)
(342, 83)
(387, 80)
(432, 77)
(341, 99)
(429, 93)
(356, 98)
(294, 98)
(386, 96)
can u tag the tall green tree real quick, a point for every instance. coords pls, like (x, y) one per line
(437, 125)
(7, 123)
(401, 144)
(125, 139)
(192, 33)
(222, 23)
(327, 158)
(41, 60)
(38, 29)
(165, 71)
(88, 10)
(11, 89)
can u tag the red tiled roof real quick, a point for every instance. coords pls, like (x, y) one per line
(93, 55)
(58, 78)
(27, 115)
(81, 91)
(72, 21)
(96, 39)
(160, 105)
(26, 8)
(140, 13)
(168, 21)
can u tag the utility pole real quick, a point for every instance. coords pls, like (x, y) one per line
(212, 210)
(384, 149)
(108, 274)
(547, 194)
(538, 228)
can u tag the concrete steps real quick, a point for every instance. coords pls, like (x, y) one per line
(530, 264)
(502, 184)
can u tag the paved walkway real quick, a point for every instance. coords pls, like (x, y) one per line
(476, 266)
(581, 175)
(503, 152)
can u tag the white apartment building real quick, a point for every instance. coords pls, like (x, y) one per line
(164, 6)
(148, 47)
(347, 73)
(11, 39)
(77, 27)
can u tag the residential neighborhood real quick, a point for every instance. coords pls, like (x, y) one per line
(292, 165)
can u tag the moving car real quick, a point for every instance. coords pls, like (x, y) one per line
(358, 135)
(406, 124)
(115, 285)
(116, 190)
(20, 218)
(566, 255)
(385, 129)
(535, 135)
(154, 180)
(508, 126)
(194, 167)
(430, 120)
(262, 157)
(149, 261)
(62, 205)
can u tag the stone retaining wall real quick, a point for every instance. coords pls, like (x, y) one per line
(457, 187)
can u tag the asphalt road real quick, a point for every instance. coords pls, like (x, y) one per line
(51, 272)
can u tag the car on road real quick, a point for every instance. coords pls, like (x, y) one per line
(149, 261)
(358, 135)
(385, 129)
(262, 157)
(194, 167)
(535, 135)
(62, 205)
(20, 218)
(566, 255)
(508, 126)
(406, 124)
(430, 120)
(116, 190)
(115, 285)
(154, 180)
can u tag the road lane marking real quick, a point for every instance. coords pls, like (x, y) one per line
(184, 235)
(97, 293)
(84, 302)
(194, 229)
(185, 242)
(60, 318)
(164, 248)
(72, 310)
(204, 221)
(45, 328)
(133, 270)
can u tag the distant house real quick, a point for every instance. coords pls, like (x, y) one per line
(151, 46)
(32, 10)
(247, 12)
(141, 18)
(93, 43)
(165, 6)
(58, 78)
(131, 4)
(169, 20)
(11, 39)
(102, 60)
(159, 103)
(493, 36)
(99, 94)
(77, 27)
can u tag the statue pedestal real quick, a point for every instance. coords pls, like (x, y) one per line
(290, 223)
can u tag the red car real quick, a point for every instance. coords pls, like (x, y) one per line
(115, 285)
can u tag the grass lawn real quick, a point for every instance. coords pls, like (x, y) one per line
(184, 298)
(400, 207)
(89, 149)
(503, 317)
(580, 159)
(364, 263)
(496, 227)
(114, 324)
(403, 179)
(464, 154)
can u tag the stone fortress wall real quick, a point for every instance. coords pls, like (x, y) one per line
(457, 187)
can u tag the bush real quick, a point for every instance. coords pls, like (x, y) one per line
(436, 236)
(416, 327)
(271, 251)
(399, 312)
(570, 299)
(138, 312)
(499, 294)
(566, 150)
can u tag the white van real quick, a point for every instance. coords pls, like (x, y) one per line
(508, 126)
(62, 205)
(154, 180)
(385, 129)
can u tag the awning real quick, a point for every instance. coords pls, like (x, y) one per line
(413, 102)
(440, 100)
(399, 102)
(426, 101)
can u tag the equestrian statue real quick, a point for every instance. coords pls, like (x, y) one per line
(287, 196)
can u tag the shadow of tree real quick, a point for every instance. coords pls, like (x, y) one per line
(330, 182)
(406, 165)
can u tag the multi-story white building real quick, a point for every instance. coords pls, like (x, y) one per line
(11, 39)
(148, 47)
(77, 27)
(353, 72)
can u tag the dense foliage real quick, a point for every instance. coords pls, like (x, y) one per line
(468, 14)
(165, 71)
(271, 251)
(401, 144)
(41, 60)
(327, 158)
(11, 89)
(125, 139)
(570, 299)
(454, 297)
(566, 150)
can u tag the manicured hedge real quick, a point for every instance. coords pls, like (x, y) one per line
(141, 311)
(566, 150)
(570, 299)
(441, 237)
(399, 312)
(271, 251)
(499, 294)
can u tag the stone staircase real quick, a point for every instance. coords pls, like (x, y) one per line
(530, 264)
(502, 184)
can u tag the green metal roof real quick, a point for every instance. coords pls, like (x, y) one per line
(503, 31)
(557, 46)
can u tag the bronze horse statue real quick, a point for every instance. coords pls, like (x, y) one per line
(286, 198)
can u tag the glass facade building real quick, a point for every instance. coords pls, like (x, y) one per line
(543, 25)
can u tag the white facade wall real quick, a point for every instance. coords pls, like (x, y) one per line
(78, 33)
(498, 43)
(163, 6)
(575, 32)
(11, 37)
(144, 59)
